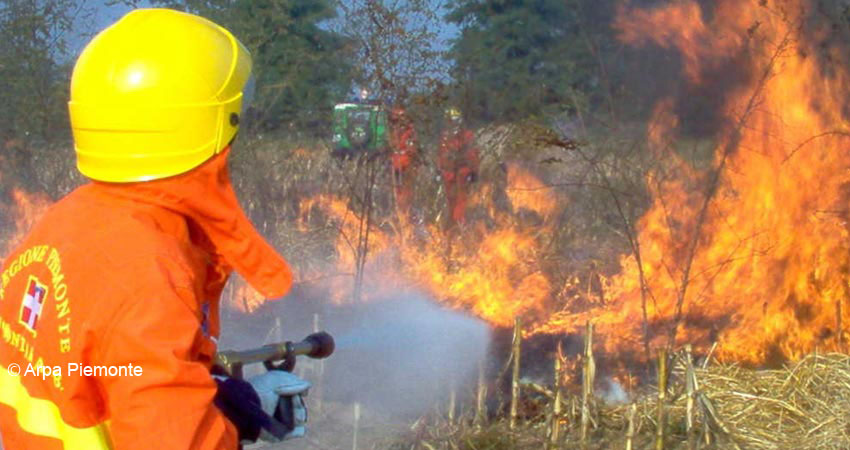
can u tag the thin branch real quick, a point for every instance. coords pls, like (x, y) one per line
(813, 138)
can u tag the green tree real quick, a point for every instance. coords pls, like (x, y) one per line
(395, 44)
(299, 65)
(519, 58)
(35, 67)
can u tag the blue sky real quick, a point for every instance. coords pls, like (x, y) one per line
(103, 17)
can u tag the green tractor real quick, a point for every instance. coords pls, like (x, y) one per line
(359, 129)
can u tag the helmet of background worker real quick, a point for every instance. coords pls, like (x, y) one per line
(454, 116)
(155, 95)
(398, 115)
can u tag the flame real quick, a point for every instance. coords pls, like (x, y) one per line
(350, 227)
(497, 280)
(491, 272)
(243, 297)
(526, 191)
(760, 268)
(354, 236)
(496, 275)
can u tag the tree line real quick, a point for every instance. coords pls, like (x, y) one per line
(496, 60)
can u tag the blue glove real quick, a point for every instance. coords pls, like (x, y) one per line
(282, 397)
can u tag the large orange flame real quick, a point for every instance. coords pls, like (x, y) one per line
(490, 271)
(759, 264)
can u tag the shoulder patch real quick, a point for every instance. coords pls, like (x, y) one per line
(32, 303)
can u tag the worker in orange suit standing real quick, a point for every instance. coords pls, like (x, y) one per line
(458, 162)
(404, 148)
(123, 275)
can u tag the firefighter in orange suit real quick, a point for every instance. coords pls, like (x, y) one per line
(458, 162)
(404, 147)
(116, 289)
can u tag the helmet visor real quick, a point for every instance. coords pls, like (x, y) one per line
(248, 96)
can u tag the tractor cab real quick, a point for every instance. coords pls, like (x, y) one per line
(359, 129)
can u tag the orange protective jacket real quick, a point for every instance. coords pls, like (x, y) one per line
(458, 154)
(404, 146)
(120, 274)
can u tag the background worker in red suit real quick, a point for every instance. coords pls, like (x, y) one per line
(404, 146)
(458, 161)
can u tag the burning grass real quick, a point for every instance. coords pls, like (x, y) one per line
(804, 405)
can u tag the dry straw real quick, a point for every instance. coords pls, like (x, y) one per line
(803, 406)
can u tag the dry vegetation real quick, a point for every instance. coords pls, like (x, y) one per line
(804, 406)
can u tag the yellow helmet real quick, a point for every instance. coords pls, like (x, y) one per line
(453, 114)
(156, 94)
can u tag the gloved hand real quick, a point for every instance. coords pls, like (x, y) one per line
(269, 406)
(282, 397)
(241, 404)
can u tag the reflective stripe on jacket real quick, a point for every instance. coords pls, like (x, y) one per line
(42, 418)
